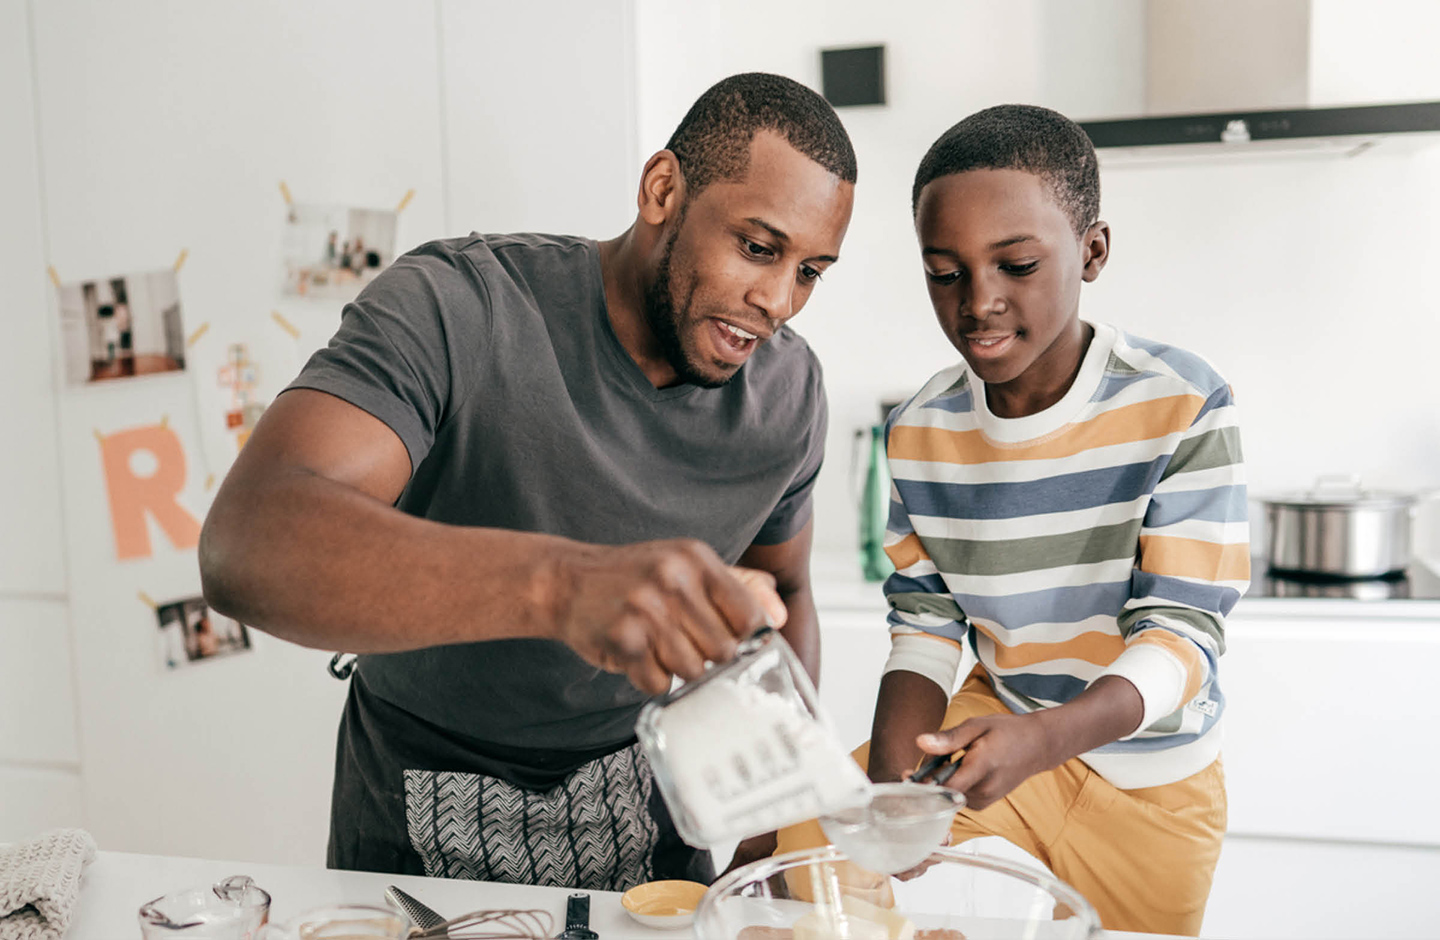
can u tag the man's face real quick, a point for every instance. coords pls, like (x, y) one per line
(1004, 267)
(742, 257)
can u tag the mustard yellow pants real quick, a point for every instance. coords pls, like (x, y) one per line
(1144, 858)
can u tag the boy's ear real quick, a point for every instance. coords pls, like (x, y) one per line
(1095, 244)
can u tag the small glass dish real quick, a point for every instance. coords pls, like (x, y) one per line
(663, 905)
(898, 829)
(746, 749)
(956, 895)
(343, 922)
(233, 909)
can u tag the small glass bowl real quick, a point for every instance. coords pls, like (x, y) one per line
(233, 909)
(898, 829)
(956, 894)
(343, 922)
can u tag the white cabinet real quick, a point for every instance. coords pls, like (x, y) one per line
(853, 648)
(1331, 725)
(1282, 889)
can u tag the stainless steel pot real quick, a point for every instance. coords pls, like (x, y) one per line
(1338, 529)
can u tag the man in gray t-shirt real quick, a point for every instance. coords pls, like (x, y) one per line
(517, 482)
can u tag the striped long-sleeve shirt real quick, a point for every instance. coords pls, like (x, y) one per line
(1105, 535)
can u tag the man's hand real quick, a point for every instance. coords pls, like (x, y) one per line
(762, 585)
(658, 609)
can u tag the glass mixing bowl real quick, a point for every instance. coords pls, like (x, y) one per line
(820, 893)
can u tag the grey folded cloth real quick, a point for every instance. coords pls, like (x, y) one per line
(40, 883)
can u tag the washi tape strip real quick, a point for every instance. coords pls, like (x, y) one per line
(180, 261)
(285, 191)
(199, 332)
(147, 600)
(285, 324)
(54, 276)
(405, 201)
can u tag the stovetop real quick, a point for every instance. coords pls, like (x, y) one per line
(1417, 582)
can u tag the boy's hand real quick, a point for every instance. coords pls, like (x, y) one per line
(1001, 752)
(751, 850)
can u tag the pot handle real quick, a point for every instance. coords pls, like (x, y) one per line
(1347, 483)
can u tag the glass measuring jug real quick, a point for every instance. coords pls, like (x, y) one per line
(745, 748)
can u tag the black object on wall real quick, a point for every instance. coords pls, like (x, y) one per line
(853, 76)
(1237, 131)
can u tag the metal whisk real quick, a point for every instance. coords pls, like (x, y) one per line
(508, 924)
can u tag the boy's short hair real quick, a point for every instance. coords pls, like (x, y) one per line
(713, 140)
(1021, 137)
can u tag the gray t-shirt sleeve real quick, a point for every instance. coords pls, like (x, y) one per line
(402, 344)
(794, 508)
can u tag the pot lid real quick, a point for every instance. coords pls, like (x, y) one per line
(1344, 493)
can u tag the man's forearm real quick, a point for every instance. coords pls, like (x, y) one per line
(802, 629)
(324, 565)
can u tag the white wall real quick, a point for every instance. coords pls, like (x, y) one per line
(870, 321)
(1302, 280)
(168, 126)
(539, 126)
(39, 745)
(1374, 52)
(165, 127)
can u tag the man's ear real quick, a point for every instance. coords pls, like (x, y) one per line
(662, 188)
(1096, 246)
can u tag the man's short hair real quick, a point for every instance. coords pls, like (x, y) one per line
(1021, 137)
(712, 142)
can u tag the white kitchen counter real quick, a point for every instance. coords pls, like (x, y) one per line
(838, 586)
(116, 884)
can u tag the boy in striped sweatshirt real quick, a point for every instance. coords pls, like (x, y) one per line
(1069, 504)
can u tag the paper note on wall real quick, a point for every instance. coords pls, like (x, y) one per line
(134, 492)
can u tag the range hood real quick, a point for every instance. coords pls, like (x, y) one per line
(1226, 79)
(1344, 131)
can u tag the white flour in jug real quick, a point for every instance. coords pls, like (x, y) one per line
(743, 761)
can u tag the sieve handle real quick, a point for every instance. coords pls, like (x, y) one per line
(940, 766)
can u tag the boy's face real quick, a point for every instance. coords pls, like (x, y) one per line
(1004, 268)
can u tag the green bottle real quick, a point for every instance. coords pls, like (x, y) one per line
(875, 510)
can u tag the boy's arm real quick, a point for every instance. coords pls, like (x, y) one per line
(927, 630)
(1192, 566)
(908, 706)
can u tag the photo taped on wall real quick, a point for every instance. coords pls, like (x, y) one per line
(122, 327)
(331, 252)
(191, 632)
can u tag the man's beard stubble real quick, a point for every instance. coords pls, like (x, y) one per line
(664, 320)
